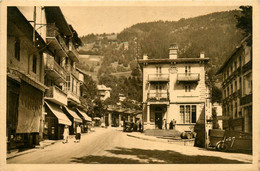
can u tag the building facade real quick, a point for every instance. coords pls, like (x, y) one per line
(25, 81)
(237, 88)
(174, 89)
(103, 91)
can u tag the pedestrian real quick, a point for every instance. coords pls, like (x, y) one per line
(78, 134)
(174, 123)
(66, 134)
(165, 124)
(140, 126)
(171, 124)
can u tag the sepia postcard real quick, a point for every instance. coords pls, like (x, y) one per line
(129, 85)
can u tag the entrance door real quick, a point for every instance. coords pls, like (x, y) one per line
(158, 120)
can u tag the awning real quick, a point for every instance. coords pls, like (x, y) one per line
(74, 115)
(85, 116)
(62, 118)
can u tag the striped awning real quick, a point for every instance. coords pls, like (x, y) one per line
(85, 116)
(73, 114)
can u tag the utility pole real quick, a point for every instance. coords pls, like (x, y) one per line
(34, 24)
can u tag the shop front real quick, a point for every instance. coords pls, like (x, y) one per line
(55, 121)
(86, 120)
(74, 118)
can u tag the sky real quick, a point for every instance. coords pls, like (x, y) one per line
(113, 19)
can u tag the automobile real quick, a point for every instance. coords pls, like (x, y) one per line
(235, 140)
(128, 127)
(215, 136)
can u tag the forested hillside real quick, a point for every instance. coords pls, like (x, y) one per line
(216, 34)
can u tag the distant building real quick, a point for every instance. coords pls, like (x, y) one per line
(218, 109)
(237, 88)
(174, 88)
(104, 92)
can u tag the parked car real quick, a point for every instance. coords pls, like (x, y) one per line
(215, 136)
(128, 127)
(235, 140)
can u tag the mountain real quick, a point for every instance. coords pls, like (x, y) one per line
(215, 34)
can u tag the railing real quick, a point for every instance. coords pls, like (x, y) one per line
(75, 72)
(56, 93)
(53, 31)
(73, 51)
(188, 77)
(158, 77)
(158, 96)
(246, 99)
(247, 66)
(53, 65)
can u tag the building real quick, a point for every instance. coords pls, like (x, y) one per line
(174, 89)
(62, 78)
(103, 91)
(25, 81)
(237, 88)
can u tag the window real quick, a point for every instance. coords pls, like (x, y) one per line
(235, 85)
(188, 113)
(236, 109)
(34, 65)
(68, 82)
(17, 49)
(224, 94)
(235, 65)
(182, 113)
(187, 69)
(187, 88)
(231, 69)
(228, 91)
(72, 86)
(231, 88)
(158, 70)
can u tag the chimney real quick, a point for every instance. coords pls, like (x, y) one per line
(202, 54)
(173, 51)
(145, 57)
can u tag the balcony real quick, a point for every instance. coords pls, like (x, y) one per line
(73, 53)
(74, 72)
(56, 95)
(162, 96)
(55, 41)
(247, 66)
(246, 99)
(188, 77)
(73, 98)
(55, 70)
(158, 77)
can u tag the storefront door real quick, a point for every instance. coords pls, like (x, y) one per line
(158, 120)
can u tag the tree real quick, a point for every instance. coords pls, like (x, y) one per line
(244, 21)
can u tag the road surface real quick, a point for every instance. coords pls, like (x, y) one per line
(112, 146)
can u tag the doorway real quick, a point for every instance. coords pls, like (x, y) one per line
(158, 120)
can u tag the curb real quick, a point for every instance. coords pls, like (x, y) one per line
(183, 143)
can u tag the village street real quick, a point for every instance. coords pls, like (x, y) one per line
(112, 146)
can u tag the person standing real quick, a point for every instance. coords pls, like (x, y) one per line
(78, 134)
(171, 124)
(66, 134)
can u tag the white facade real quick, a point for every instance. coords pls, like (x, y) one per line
(174, 89)
(104, 92)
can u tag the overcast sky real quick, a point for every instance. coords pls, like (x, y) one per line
(102, 19)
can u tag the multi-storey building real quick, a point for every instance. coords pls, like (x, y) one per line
(62, 78)
(237, 88)
(25, 81)
(174, 89)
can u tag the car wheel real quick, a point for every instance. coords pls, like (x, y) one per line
(222, 146)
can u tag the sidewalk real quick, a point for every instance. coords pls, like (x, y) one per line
(43, 144)
(164, 139)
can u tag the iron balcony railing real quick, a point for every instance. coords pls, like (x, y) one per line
(186, 77)
(158, 96)
(52, 65)
(158, 77)
(73, 53)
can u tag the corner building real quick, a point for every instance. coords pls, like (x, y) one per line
(174, 89)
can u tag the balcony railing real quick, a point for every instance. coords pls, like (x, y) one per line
(246, 99)
(73, 53)
(158, 77)
(56, 95)
(158, 96)
(188, 77)
(55, 40)
(55, 70)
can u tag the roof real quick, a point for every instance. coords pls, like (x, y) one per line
(233, 54)
(15, 16)
(62, 118)
(178, 60)
(55, 15)
(103, 87)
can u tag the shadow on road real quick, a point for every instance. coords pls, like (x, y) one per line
(152, 156)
